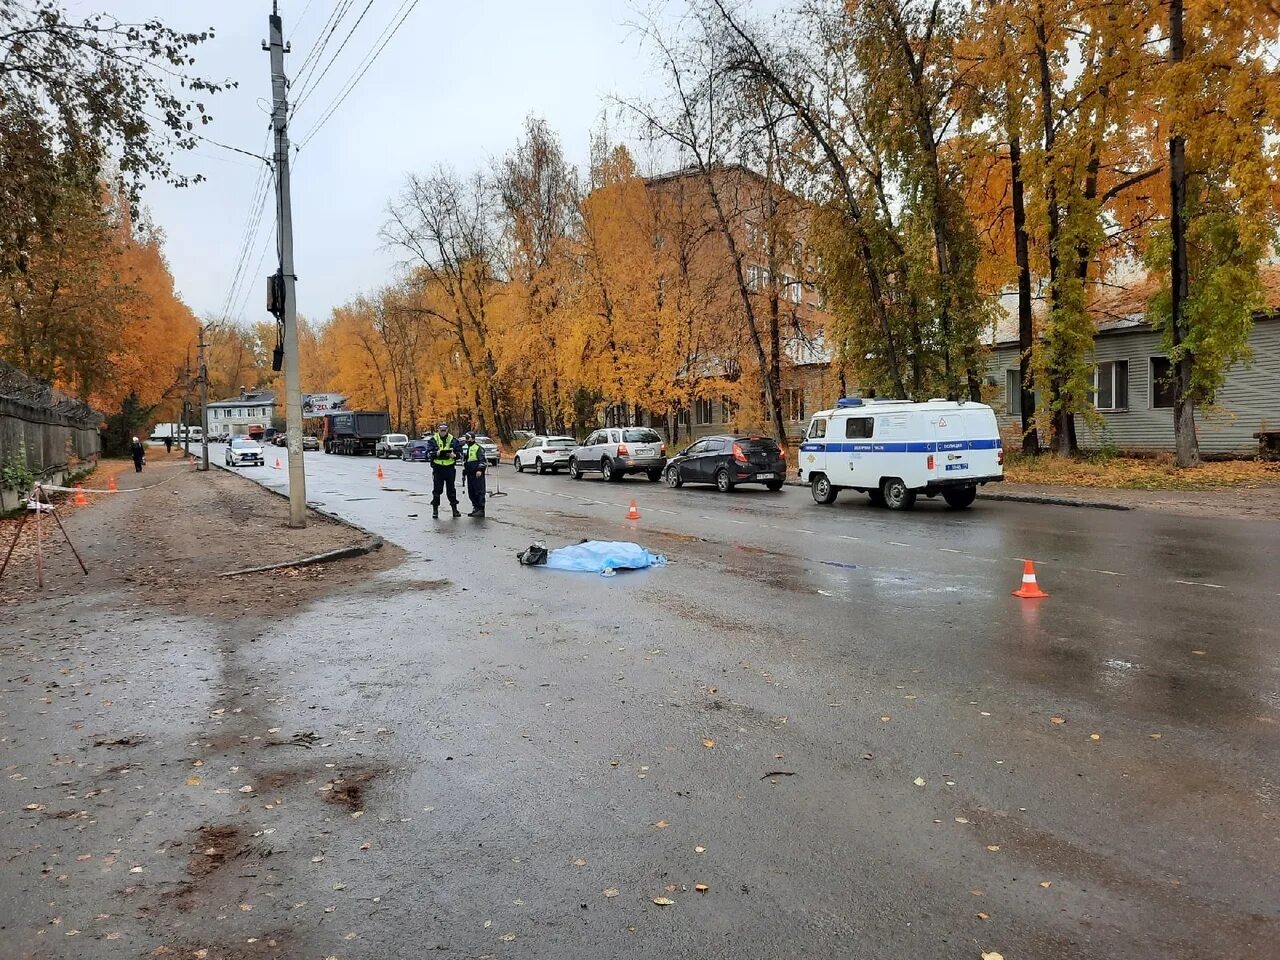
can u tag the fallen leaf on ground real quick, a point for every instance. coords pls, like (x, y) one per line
(1046, 884)
(662, 824)
(885, 719)
(664, 901)
(977, 893)
(983, 916)
(1155, 736)
(611, 892)
(962, 819)
(708, 743)
(992, 956)
(699, 849)
(994, 847)
(918, 781)
(1095, 736)
(193, 781)
(1058, 720)
(246, 789)
(317, 859)
(508, 937)
(701, 887)
(579, 862)
(1198, 653)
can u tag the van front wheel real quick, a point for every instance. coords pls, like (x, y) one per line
(822, 489)
(958, 498)
(896, 494)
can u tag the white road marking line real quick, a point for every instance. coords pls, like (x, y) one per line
(950, 550)
(809, 532)
(844, 537)
(1197, 583)
(731, 520)
(1109, 573)
(895, 543)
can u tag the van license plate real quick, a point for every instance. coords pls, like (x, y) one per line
(764, 476)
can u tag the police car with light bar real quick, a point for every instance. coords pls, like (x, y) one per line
(894, 450)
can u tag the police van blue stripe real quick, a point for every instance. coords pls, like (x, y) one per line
(816, 446)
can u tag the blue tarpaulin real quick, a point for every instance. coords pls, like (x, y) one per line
(603, 557)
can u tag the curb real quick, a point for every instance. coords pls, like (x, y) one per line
(1054, 501)
(1031, 498)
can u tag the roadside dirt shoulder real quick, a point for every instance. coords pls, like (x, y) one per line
(170, 531)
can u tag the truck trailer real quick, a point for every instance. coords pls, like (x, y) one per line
(354, 432)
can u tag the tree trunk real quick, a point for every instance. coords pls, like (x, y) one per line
(1026, 329)
(1186, 445)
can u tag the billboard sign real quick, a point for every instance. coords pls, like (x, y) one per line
(316, 404)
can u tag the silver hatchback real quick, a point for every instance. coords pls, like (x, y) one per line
(618, 451)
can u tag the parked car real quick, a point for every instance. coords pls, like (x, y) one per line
(310, 443)
(414, 450)
(280, 440)
(242, 452)
(490, 449)
(544, 453)
(728, 461)
(618, 451)
(390, 445)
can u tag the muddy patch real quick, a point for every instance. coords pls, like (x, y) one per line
(213, 846)
(395, 588)
(349, 790)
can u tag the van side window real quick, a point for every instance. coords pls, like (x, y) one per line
(859, 428)
(817, 429)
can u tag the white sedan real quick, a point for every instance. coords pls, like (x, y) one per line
(243, 451)
(544, 453)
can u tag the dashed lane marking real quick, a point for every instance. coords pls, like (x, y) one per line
(1197, 583)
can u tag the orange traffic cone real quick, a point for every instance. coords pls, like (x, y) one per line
(1030, 589)
(111, 484)
(81, 500)
(379, 471)
(634, 512)
(277, 466)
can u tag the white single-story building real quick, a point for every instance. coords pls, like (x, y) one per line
(237, 415)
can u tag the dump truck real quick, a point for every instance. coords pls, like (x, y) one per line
(354, 431)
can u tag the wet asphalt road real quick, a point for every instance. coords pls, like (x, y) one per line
(889, 777)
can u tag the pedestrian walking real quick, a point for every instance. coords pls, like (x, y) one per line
(168, 444)
(139, 454)
(444, 450)
(473, 464)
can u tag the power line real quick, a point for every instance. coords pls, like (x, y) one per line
(313, 58)
(408, 7)
(302, 97)
(255, 202)
(249, 239)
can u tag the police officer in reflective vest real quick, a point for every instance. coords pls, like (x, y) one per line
(473, 464)
(444, 450)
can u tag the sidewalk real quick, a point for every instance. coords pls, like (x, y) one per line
(1240, 502)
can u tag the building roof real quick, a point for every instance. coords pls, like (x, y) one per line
(1123, 307)
(251, 398)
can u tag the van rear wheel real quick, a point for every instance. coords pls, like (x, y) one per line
(896, 494)
(822, 489)
(959, 498)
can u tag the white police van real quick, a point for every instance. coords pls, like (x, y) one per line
(896, 449)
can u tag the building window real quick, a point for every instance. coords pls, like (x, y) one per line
(791, 289)
(1013, 393)
(1164, 392)
(793, 403)
(702, 411)
(728, 410)
(859, 428)
(1111, 385)
(757, 278)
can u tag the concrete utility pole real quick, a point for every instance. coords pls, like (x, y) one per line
(204, 405)
(284, 217)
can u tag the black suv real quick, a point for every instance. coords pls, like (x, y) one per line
(728, 461)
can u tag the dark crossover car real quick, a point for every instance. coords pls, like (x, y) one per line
(414, 450)
(728, 461)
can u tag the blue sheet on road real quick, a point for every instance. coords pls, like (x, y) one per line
(603, 557)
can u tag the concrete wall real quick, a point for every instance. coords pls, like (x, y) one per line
(52, 445)
(1247, 403)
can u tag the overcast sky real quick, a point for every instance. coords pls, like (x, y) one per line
(453, 86)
